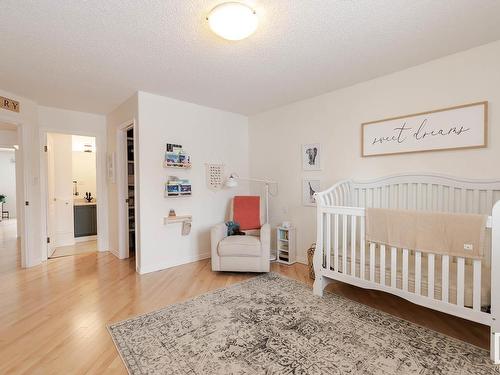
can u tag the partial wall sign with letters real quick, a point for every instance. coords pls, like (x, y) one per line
(458, 127)
(9, 104)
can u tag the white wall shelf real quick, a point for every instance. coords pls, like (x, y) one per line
(177, 195)
(177, 219)
(177, 165)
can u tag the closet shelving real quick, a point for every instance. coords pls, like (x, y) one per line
(131, 191)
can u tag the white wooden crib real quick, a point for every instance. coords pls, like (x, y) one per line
(458, 286)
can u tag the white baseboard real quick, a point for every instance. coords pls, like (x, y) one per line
(159, 267)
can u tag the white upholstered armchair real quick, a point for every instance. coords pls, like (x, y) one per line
(248, 253)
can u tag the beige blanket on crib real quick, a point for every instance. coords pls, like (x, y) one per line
(451, 234)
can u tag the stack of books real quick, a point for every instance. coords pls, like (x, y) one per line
(176, 187)
(176, 157)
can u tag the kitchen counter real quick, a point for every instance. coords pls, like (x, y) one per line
(80, 202)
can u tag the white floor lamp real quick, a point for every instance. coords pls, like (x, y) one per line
(232, 182)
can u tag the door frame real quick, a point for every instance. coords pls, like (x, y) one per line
(122, 182)
(22, 208)
(101, 182)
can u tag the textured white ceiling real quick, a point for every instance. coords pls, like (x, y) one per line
(90, 55)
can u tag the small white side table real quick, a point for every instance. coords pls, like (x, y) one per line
(285, 245)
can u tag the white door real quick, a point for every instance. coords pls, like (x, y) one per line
(51, 207)
(60, 191)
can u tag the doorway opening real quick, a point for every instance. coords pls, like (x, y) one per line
(131, 192)
(128, 203)
(71, 195)
(8, 209)
(11, 187)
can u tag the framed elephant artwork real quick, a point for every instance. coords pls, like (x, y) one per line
(311, 157)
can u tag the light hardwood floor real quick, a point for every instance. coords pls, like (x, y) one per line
(76, 249)
(53, 317)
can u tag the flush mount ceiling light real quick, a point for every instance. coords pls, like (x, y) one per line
(233, 21)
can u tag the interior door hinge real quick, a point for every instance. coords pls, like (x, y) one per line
(48, 239)
(45, 148)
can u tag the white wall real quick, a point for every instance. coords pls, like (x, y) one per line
(8, 138)
(209, 136)
(8, 180)
(83, 166)
(334, 120)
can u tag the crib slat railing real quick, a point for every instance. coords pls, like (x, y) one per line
(418, 272)
(336, 242)
(408, 272)
(344, 244)
(382, 264)
(445, 278)
(405, 270)
(430, 276)
(372, 262)
(394, 266)
(476, 285)
(353, 245)
(460, 281)
(362, 248)
(328, 238)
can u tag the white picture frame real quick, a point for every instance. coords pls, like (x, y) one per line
(460, 127)
(309, 187)
(311, 157)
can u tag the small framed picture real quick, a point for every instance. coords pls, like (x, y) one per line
(311, 157)
(309, 187)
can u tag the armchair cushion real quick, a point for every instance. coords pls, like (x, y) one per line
(246, 212)
(240, 246)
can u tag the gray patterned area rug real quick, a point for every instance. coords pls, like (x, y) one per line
(274, 325)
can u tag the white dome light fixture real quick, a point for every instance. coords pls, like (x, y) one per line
(233, 21)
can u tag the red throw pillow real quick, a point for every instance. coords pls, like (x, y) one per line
(246, 212)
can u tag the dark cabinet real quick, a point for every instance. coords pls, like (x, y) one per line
(85, 220)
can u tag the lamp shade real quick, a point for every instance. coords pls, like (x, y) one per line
(232, 182)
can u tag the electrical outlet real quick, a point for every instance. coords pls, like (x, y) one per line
(468, 247)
